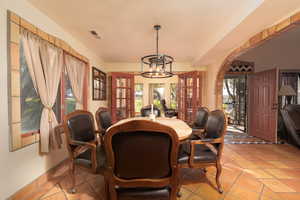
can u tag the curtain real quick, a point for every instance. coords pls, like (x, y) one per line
(76, 70)
(45, 64)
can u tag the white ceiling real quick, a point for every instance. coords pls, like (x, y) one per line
(189, 28)
(282, 51)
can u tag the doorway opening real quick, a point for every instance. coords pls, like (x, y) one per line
(235, 95)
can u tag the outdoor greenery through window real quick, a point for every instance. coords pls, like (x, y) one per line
(173, 95)
(157, 93)
(70, 101)
(31, 106)
(138, 92)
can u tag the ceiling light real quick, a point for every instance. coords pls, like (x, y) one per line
(158, 65)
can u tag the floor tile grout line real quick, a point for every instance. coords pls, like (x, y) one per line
(234, 182)
(43, 197)
(92, 188)
(261, 192)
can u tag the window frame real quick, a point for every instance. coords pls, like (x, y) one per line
(97, 73)
(137, 112)
(15, 23)
(176, 98)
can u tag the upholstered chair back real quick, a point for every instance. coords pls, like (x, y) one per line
(215, 124)
(163, 103)
(142, 160)
(201, 117)
(142, 154)
(146, 111)
(103, 118)
(81, 126)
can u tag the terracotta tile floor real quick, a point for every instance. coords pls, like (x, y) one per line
(250, 172)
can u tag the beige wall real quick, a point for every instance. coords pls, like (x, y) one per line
(19, 168)
(136, 67)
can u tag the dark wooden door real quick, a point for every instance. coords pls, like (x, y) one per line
(122, 96)
(190, 87)
(263, 100)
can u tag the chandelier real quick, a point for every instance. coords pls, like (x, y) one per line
(156, 65)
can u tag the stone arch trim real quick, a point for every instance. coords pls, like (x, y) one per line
(254, 41)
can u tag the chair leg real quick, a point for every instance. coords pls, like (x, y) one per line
(179, 184)
(72, 174)
(107, 196)
(219, 170)
(179, 194)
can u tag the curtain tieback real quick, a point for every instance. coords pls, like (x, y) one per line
(49, 113)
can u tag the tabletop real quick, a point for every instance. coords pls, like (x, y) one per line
(182, 129)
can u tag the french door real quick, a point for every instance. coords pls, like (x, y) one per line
(263, 102)
(190, 90)
(122, 96)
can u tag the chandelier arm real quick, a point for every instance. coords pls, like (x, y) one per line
(157, 41)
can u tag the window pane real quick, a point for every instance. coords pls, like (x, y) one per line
(31, 106)
(70, 101)
(173, 97)
(157, 93)
(138, 97)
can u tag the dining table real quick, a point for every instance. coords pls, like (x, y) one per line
(182, 129)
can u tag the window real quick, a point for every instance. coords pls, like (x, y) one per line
(70, 100)
(31, 106)
(173, 95)
(157, 93)
(25, 106)
(138, 92)
(99, 84)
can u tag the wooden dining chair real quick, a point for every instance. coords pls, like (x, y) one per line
(146, 111)
(198, 127)
(199, 123)
(142, 161)
(82, 144)
(104, 121)
(207, 151)
(169, 112)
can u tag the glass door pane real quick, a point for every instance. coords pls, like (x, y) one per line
(156, 94)
(122, 105)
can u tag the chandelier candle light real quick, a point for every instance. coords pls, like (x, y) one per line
(159, 65)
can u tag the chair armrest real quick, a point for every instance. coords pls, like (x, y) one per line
(87, 144)
(82, 147)
(199, 132)
(206, 142)
(100, 132)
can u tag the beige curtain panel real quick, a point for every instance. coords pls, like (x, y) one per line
(76, 70)
(45, 64)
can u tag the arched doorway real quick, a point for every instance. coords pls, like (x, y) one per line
(254, 41)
